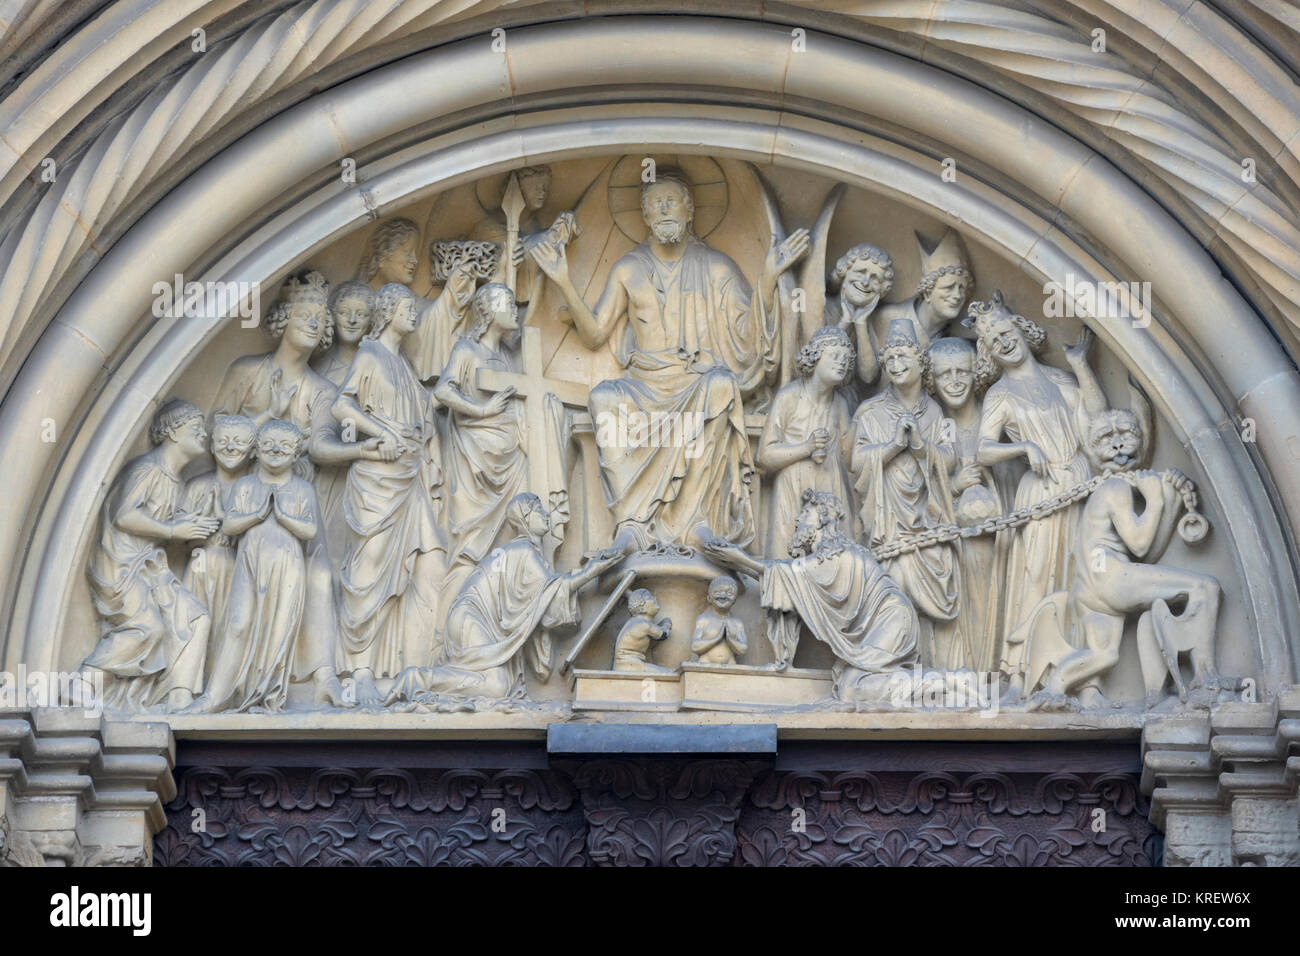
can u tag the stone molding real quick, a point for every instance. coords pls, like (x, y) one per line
(1223, 787)
(79, 790)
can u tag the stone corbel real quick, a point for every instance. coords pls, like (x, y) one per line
(1223, 787)
(79, 790)
(1249, 746)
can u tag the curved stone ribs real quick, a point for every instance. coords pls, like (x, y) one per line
(1100, 88)
(1053, 59)
(137, 147)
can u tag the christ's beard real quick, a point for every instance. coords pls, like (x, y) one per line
(668, 233)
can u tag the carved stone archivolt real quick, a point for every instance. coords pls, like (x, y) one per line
(52, 595)
(908, 408)
(166, 128)
(753, 272)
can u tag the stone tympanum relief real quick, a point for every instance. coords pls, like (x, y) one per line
(630, 417)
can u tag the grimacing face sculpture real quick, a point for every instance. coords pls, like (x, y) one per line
(954, 378)
(866, 279)
(277, 445)
(1116, 439)
(948, 294)
(231, 443)
(902, 363)
(1005, 342)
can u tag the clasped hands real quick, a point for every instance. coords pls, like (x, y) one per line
(907, 432)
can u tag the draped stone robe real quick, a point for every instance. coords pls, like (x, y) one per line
(389, 612)
(485, 460)
(246, 390)
(152, 626)
(497, 624)
(253, 664)
(793, 417)
(695, 340)
(332, 480)
(208, 574)
(443, 320)
(1042, 552)
(974, 643)
(849, 603)
(907, 495)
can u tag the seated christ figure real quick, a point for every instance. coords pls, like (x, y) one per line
(694, 338)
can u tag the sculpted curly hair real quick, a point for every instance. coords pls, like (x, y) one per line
(482, 306)
(978, 315)
(830, 510)
(825, 337)
(242, 422)
(640, 602)
(863, 250)
(278, 426)
(308, 286)
(174, 414)
(928, 281)
(830, 518)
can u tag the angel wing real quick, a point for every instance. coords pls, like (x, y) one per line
(797, 327)
(785, 285)
(813, 271)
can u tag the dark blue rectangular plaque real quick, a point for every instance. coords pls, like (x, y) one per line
(574, 740)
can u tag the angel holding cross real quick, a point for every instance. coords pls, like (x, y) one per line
(504, 436)
(507, 428)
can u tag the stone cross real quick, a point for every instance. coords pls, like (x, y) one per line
(533, 386)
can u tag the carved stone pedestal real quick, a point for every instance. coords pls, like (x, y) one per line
(741, 688)
(626, 690)
(79, 790)
(1223, 787)
(697, 686)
